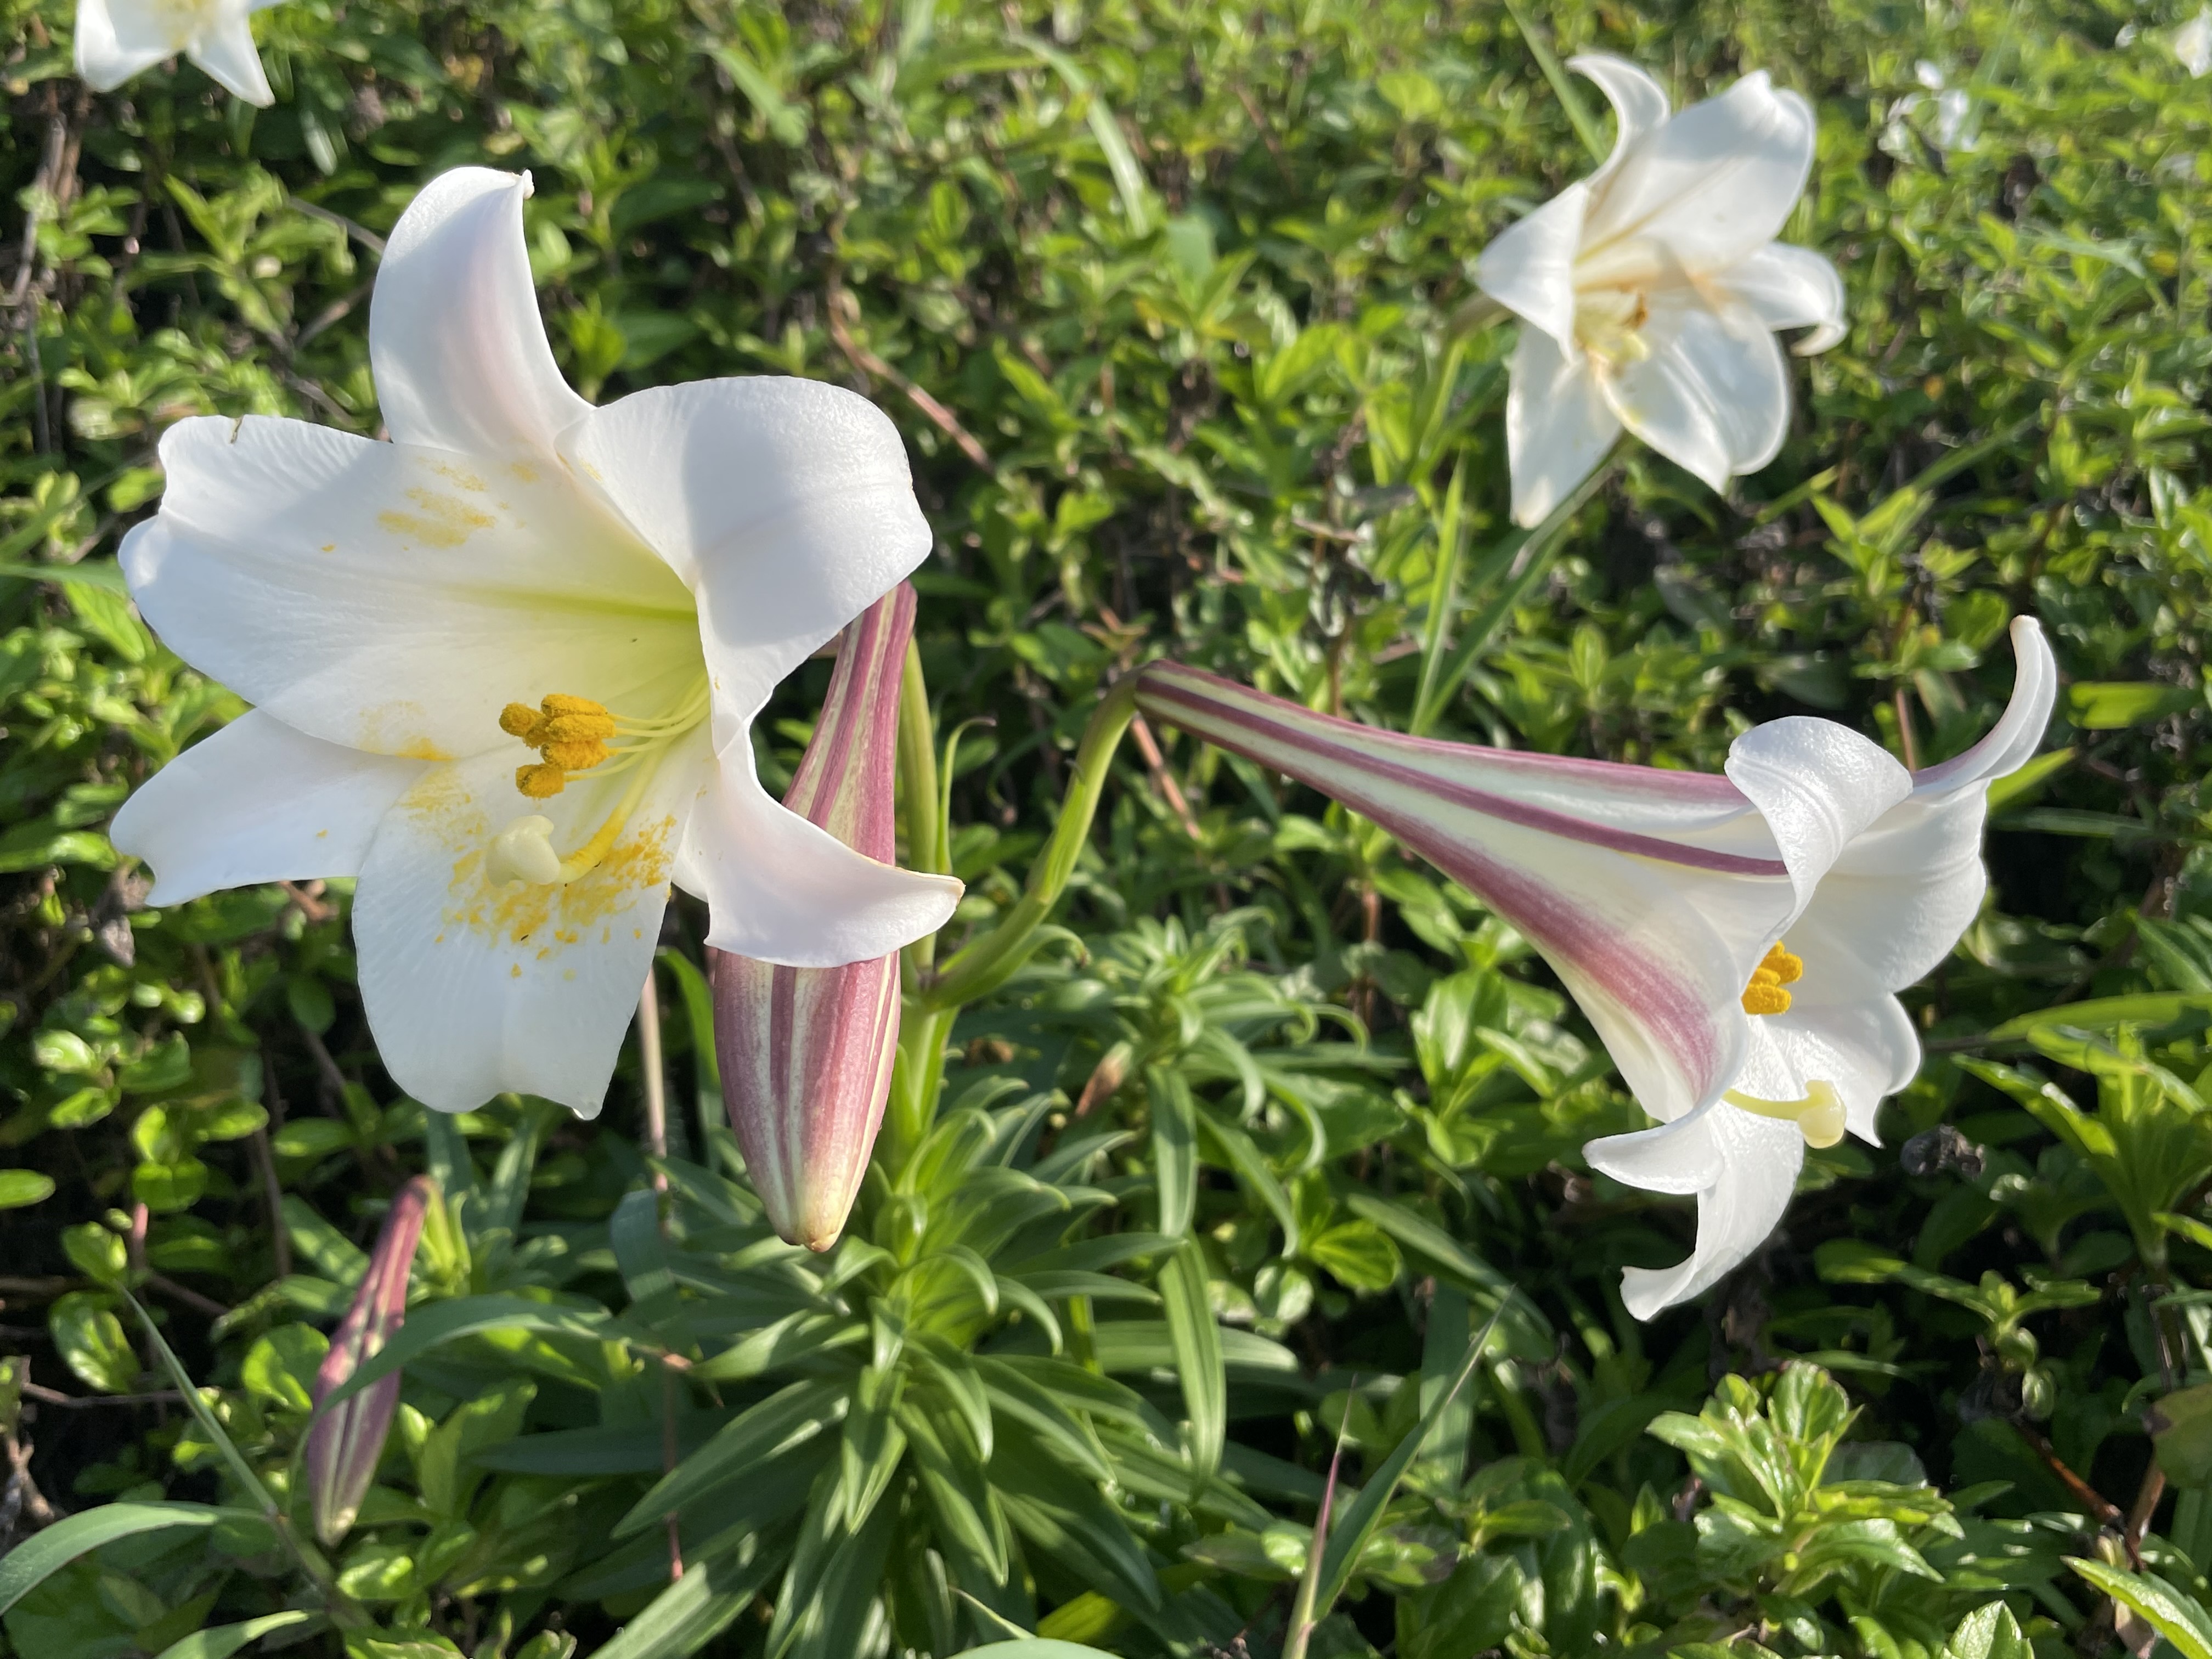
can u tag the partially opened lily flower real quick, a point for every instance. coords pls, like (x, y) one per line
(806, 1053)
(1649, 292)
(116, 39)
(505, 666)
(1736, 941)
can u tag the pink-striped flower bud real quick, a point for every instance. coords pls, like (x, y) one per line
(806, 1052)
(346, 1440)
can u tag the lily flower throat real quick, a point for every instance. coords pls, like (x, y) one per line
(575, 737)
(1820, 1116)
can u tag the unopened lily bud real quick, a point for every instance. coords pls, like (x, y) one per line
(346, 1440)
(806, 1052)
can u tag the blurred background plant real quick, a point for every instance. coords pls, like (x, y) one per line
(1227, 1179)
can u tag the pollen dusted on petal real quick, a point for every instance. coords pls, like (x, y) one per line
(1765, 995)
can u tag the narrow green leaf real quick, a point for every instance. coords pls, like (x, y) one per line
(789, 1417)
(448, 1322)
(1175, 1147)
(1196, 1340)
(41, 1555)
(698, 1606)
(224, 1640)
(2175, 1616)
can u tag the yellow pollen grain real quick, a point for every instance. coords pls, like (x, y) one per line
(443, 521)
(540, 781)
(523, 471)
(1765, 995)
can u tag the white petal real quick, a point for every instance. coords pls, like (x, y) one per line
(1558, 425)
(474, 987)
(1529, 266)
(1759, 1160)
(2192, 44)
(781, 890)
(2013, 741)
(1712, 394)
(1639, 103)
(1787, 287)
(392, 598)
(258, 801)
(1818, 785)
(1867, 1050)
(1680, 1158)
(1897, 898)
(1714, 182)
(785, 505)
(454, 337)
(226, 52)
(115, 43)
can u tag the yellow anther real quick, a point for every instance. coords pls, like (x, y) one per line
(540, 781)
(519, 719)
(1765, 995)
(1820, 1116)
(575, 728)
(560, 702)
(578, 755)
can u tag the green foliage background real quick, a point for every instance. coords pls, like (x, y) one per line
(1161, 297)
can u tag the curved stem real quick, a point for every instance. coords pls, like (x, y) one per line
(991, 961)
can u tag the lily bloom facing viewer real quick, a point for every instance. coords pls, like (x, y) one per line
(116, 39)
(1648, 293)
(1737, 941)
(505, 666)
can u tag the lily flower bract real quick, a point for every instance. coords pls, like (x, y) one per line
(1737, 941)
(806, 1053)
(505, 666)
(116, 39)
(1648, 293)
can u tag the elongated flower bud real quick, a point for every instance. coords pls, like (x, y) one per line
(346, 1440)
(806, 1052)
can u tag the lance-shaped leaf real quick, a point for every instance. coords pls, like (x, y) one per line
(347, 1440)
(806, 1053)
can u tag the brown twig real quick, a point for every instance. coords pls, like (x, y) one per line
(2106, 1511)
(56, 1397)
(868, 363)
(188, 1296)
(264, 1159)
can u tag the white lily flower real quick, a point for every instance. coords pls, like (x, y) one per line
(606, 596)
(116, 39)
(1649, 292)
(1662, 901)
(2192, 44)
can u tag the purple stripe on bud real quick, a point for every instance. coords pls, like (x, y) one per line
(806, 1053)
(346, 1440)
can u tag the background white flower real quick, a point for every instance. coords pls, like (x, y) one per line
(116, 39)
(505, 666)
(1648, 293)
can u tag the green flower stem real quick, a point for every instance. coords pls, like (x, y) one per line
(927, 841)
(1586, 127)
(991, 961)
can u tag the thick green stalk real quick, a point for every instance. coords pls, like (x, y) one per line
(991, 961)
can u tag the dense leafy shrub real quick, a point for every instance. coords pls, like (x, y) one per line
(1163, 299)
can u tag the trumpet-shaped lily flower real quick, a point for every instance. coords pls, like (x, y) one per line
(346, 1442)
(1737, 941)
(1649, 292)
(505, 666)
(116, 39)
(806, 1053)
